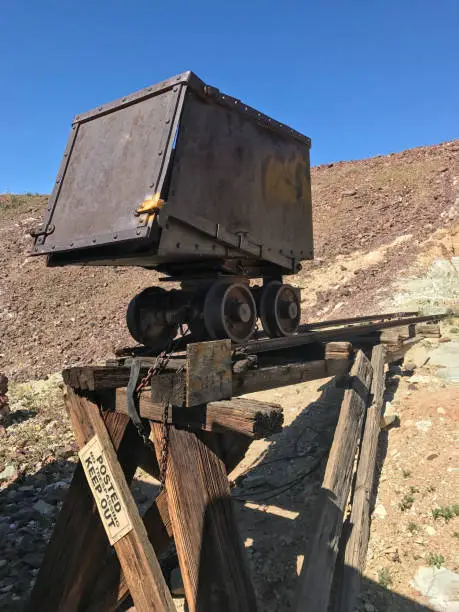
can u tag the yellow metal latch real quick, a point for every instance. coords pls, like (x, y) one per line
(151, 204)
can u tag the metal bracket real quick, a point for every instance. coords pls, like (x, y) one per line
(42, 231)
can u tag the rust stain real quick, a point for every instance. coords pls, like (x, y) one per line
(285, 181)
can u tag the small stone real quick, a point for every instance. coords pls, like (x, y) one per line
(439, 585)
(423, 425)
(429, 530)
(409, 368)
(432, 456)
(349, 192)
(443, 169)
(50, 426)
(8, 473)
(392, 553)
(66, 452)
(444, 339)
(389, 419)
(368, 607)
(380, 512)
(441, 410)
(56, 491)
(43, 508)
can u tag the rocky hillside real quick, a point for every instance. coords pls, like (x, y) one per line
(371, 220)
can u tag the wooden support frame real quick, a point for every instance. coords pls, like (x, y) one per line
(210, 428)
(216, 436)
(318, 568)
(68, 572)
(356, 532)
(211, 555)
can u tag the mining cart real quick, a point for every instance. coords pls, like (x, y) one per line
(182, 179)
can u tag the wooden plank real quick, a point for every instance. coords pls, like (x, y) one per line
(428, 330)
(250, 417)
(78, 544)
(98, 378)
(211, 555)
(282, 375)
(317, 573)
(134, 550)
(112, 588)
(170, 386)
(397, 353)
(397, 333)
(350, 333)
(338, 348)
(208, 372)
(335, 353)
(358, 528)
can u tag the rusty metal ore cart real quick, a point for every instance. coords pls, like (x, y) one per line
(195, 184)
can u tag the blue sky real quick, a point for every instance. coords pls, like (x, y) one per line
(361, 78)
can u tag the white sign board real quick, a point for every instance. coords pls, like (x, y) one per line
(106, 493)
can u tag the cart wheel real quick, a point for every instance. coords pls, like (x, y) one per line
(144, 321)
(280, 309)
(230, 311)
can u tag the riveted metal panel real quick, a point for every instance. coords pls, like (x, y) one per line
(230, 169)
(116, 160)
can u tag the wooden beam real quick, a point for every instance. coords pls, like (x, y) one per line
(282, 375)
(112, 588)
(171, 386)
(78, 544)
(135, 553)
(317, 573)
(208, 372)
(428, 330)
(349, 574)
(394, 354)
(99, 378)
(250, 417)
(338, 357)
(211, 555)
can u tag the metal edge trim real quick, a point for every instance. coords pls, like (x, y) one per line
(103, 240)
(39, 245)
(142, 94)
(176, 117)
(220, 233)
(260, 118)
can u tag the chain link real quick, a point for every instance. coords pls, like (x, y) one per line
(157, 368)
(164, 447)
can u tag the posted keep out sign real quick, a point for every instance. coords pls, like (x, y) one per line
(105, 491)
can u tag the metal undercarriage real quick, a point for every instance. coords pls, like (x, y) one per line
(214, 308)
